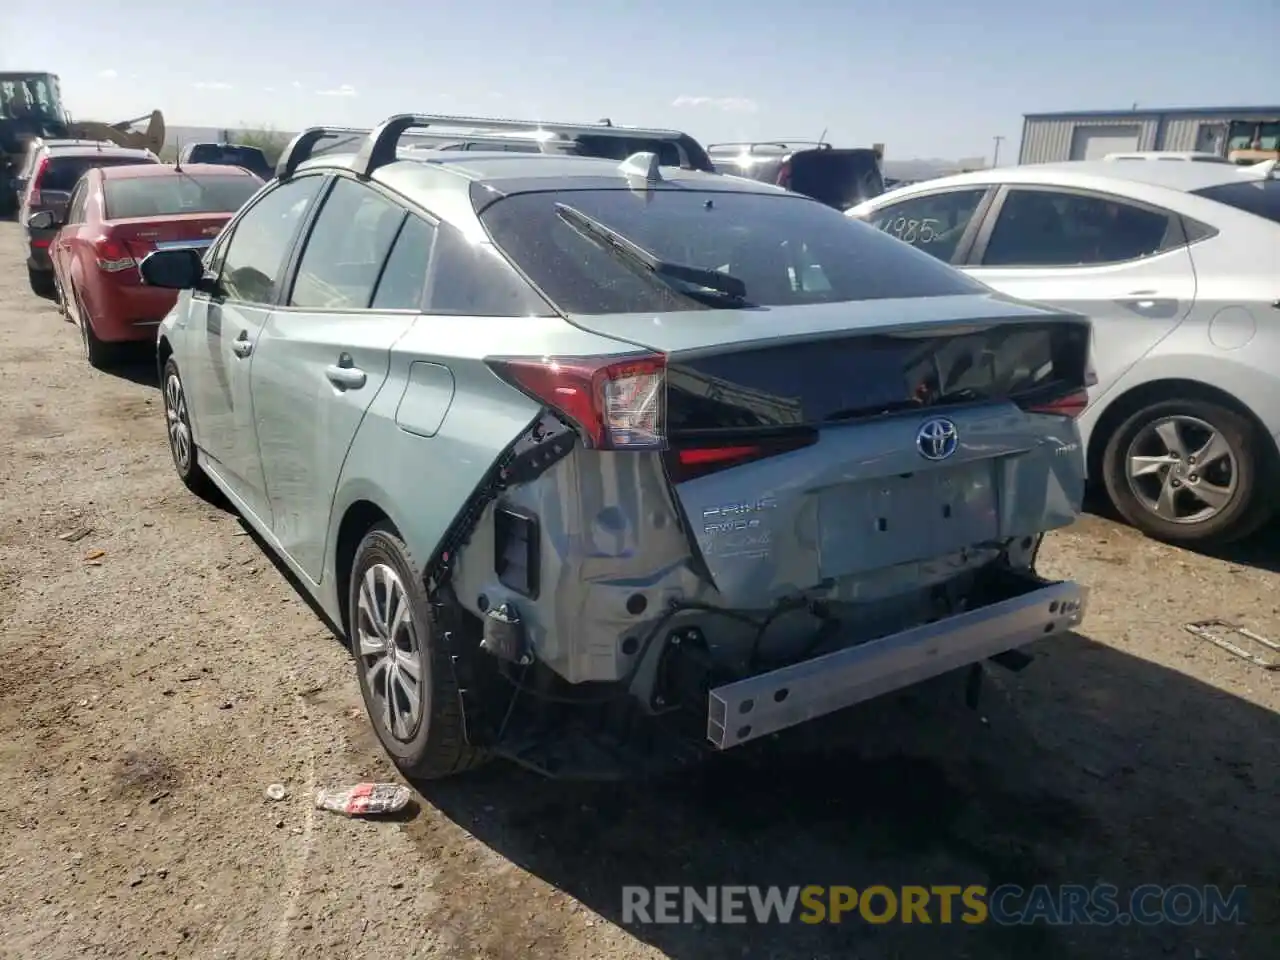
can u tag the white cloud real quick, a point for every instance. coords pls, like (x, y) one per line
(346, 90)
(269, 89)
(212, 85)
(297, 85)
(727, 104)
(108, 74)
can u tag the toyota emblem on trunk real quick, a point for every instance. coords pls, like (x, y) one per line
(937, 439)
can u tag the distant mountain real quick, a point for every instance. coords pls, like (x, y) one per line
(928, 169)
(175, 135)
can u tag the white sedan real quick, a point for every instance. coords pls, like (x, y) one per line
(1178, 265)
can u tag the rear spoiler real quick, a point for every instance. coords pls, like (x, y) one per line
(380, 145)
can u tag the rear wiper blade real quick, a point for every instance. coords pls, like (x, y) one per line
(633, 253)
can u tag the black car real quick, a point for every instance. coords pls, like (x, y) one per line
(230, 155)
(840, 177)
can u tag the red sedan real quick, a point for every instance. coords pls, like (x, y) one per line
(115, 217)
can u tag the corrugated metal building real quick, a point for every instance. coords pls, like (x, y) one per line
(1090, 135)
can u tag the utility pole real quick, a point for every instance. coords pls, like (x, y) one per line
(995, 157)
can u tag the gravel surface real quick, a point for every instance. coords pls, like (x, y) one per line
(160, 672)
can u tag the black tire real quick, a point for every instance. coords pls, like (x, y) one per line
(1251, 503)
(186, 463)
(100, 354)
(436, 745)
(41, 282)
(60, 298)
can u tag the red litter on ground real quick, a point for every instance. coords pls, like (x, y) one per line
(365, 799)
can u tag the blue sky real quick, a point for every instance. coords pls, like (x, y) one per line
(929, 79)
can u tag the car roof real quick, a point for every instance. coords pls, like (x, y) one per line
(59, 143)
(1099, 174)
(104, 150)
(133, 171)
(442, 181)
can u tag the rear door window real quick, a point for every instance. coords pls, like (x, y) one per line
(934, 223)
(1261, 198)
(1049, 228)
(346, 249)
(404, 278)
(473, 279)
(77, 203)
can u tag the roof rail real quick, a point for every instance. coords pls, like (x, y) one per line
(302, 146)
(380, 146)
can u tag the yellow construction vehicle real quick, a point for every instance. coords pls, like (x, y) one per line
(1253, 141)
(31, 107)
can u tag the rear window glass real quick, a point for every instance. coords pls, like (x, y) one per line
(250, 157)
(841, 178)
(162, 196)
(787, 250)
(63, 172)
(1260, 197)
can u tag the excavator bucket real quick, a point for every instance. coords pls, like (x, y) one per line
(123, 132)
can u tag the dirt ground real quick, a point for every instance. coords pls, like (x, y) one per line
(160, 672)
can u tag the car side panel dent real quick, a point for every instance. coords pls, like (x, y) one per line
(422, 483)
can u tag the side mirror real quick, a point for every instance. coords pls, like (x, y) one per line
(180, 269)
(44, 220)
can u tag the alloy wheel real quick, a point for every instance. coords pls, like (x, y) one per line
(387, 641)
(175, 412)
(1182, 469)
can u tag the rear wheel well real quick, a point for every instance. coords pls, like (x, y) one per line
(163, 352)
(360, 517)
(1154, 392)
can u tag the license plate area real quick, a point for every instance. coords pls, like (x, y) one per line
(897, 519)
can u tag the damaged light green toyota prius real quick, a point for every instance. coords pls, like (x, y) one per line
(605, 463)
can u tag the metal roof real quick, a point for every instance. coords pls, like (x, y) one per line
(1153, 112)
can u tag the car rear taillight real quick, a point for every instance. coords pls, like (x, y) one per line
(617, 403)
(621, 404)
(113, 255)
(688, 460)
(1071, 405)
(36, 179)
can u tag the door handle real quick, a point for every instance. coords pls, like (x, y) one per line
(344, 375)
(242, 346)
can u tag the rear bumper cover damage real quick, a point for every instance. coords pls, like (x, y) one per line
(755, 707)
